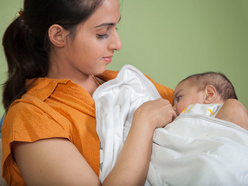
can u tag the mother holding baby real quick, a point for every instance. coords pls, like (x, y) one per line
(57, 54)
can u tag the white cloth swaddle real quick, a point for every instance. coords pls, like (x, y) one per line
(195, 149)
(115, 102)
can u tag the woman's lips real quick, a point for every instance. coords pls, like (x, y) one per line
(108, 59)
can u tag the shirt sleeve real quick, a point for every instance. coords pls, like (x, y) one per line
(26, 122)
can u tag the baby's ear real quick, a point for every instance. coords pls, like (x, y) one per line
(57, 35)
(210, 94)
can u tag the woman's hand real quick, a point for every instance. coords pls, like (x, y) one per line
(157, 113)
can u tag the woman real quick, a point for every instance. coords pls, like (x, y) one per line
(57, 53)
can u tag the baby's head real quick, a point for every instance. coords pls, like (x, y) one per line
(203, 88)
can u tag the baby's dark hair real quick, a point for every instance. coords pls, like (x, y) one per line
(221, 83)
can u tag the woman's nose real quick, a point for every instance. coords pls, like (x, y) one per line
(116, 43)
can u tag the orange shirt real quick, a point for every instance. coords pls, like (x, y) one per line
(55, 108)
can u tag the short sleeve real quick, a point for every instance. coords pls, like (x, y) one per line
(28, 123)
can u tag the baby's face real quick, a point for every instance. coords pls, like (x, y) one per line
(185, 94)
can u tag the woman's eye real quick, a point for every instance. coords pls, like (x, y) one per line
(102, 36)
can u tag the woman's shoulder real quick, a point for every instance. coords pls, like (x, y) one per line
(43, 87)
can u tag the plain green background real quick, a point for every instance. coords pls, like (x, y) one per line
(171, 39)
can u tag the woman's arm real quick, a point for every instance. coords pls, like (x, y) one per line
(133, 162)
(57, 161)
(235, 112)
(53, 162)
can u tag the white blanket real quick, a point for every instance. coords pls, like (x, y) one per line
(195, 149)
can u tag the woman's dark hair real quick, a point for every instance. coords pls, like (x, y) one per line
(26, 43)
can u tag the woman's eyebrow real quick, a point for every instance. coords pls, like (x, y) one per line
(107, 24)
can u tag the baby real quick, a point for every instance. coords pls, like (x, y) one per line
(211, 88)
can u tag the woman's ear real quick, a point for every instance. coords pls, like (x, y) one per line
(57, 35)
(210, 94)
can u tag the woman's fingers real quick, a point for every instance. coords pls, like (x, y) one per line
(157, 112)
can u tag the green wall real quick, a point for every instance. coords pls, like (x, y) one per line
(171, 39)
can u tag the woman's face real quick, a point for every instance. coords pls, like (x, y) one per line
(95, 41)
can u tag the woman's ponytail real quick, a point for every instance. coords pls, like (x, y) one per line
(26, 58)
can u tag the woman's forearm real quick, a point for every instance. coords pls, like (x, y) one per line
(133, 162)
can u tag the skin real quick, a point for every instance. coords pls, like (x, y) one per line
(187, 93)
(57, 161)
(91, 50)
(235, 112)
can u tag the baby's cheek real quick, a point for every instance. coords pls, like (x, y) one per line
(178, 110)
(181, 108)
